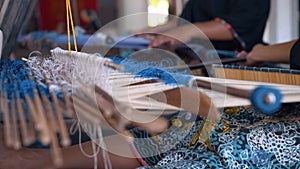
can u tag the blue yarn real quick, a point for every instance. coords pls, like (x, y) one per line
(23, 74)
(43, 89)
(27, 88)
(147, 68)
(17, 64)
(41, 35)
(257, 99)
(182, 79)
(7, 89)
(14, 79)
(158, 74)
(15, 89)
(58, 94)
(165, 76)
(116, 59)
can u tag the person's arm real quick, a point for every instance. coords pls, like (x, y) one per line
(212, 30)
(274, 53)
(248, 20)
(157, 29)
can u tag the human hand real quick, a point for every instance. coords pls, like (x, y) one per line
(164, 40)
(173, 37)
(254, 57)
(148, 33)
(147, 30)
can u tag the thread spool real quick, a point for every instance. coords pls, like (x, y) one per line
(266, 99)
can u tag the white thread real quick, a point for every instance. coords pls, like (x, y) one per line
(74, 127)
(34, 52)
(72, 72)
(81, 148)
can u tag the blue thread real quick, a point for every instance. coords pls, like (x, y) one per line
(17, 64)
(58, 93)
(117, 59)
(257, 97)
(43, 89)
(165, 76)
(27, 88)
(159, 74)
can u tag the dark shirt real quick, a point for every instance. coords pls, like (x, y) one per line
(247, 17)
(295, 56)
(92, 27)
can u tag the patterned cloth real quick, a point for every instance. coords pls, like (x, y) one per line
(244, 138)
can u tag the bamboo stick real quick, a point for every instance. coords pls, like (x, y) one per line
(27, 136)
(15, 126)
(45, 137)
(56, 151)
(7, 120)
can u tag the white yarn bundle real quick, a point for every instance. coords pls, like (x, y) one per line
(75, 72)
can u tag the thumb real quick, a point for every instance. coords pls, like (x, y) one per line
(242, 54)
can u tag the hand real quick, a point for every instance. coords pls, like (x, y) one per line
(173, 37)
(157, 29)
(148, 36)
(254, 57)
(163, 40)
(148, 30)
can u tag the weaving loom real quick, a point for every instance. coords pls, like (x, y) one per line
(116, 93)
(37, 94)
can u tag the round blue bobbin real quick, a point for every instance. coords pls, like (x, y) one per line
(266, 99)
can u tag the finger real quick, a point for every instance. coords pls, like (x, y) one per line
(242, 54)
(150, 37)
(159, 41)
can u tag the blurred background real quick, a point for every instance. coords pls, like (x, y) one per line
(46, 19)
(283, 22)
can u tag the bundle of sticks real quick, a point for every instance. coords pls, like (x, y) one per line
(31, 110)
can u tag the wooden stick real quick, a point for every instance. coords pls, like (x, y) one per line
(242, 93)
(27, 136)
(153, 125)
(224, 89)
(56, 151)
(15, 127)
(188, 99)
(67, 102)
(113, 65)
(7, 120)
(33, 113)
(52, 125)
(45, 137)
(65, 140)
(117, 121)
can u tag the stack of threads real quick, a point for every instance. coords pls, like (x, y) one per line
(31, 110)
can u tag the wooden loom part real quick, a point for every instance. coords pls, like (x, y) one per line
(264, 98)
(20, 130)
(65, 140)
(268, 75)
(188, 99)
